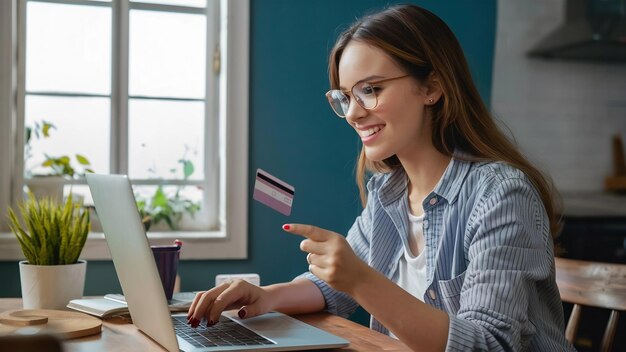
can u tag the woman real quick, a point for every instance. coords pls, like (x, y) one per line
(454, 247)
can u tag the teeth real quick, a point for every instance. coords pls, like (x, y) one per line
(370, 131)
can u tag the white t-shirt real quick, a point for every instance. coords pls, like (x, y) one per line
(411, 272)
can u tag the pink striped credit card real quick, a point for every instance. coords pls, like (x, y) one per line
(273, 192)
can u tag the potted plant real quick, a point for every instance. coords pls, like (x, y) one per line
(168, 208)
(50, 176)
(52, 238)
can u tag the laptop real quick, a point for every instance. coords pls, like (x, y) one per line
(136, 269)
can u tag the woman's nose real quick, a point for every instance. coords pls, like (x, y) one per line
(355, 111)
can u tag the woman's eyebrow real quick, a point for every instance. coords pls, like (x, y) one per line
(368, 78)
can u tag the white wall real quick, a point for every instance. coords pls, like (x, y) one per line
(562, 113)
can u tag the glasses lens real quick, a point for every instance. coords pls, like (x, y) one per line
(338, 101)
(365, 95)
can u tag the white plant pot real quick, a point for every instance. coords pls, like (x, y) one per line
(51, 286)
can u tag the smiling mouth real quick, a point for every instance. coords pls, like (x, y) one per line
(370, 132)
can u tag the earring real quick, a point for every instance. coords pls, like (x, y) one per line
(431, 100)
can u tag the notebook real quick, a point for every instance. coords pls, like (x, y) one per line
(135, 267)
(113, 304)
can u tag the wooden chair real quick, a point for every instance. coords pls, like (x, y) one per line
(592, 284)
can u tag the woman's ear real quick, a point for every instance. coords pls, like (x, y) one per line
(433, 89)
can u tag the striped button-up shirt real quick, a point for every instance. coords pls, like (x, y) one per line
(489, 254)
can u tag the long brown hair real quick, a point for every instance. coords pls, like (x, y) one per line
(422, 44)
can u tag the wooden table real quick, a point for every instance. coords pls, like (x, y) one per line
(118, 335)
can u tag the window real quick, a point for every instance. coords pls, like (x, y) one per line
(138, 88)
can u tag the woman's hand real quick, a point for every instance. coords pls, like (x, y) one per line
(330, 257)
(250, 299)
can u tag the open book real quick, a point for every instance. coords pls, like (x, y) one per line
(114, 304)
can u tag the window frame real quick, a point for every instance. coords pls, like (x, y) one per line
(229, 241)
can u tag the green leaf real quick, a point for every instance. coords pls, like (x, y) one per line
(82, 160)
(64, 160)
(188, 168)
(29, 133)
(45, 129)
(159, 199)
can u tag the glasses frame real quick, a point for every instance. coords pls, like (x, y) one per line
(355, 97)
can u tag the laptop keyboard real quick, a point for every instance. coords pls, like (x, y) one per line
(225, 333)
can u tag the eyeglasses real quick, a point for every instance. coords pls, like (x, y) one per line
(365, 94)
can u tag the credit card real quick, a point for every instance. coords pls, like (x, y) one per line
(273, 192)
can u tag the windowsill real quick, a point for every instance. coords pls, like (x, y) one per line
(196, 245)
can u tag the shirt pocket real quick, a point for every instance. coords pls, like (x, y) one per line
(450, 292)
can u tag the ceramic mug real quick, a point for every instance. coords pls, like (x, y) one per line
(166, 258)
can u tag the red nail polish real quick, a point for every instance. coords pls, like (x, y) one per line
(241, 313)
(286, 227)
(210, 323)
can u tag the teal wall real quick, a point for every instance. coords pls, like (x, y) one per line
(295, 136)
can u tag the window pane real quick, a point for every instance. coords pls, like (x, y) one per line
(68, 48)
(80, 193)
(194, 3)
(167, 54)
(160, 134)
(82, 126)
(192, 193)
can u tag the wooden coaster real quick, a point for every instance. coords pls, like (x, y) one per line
(65, 324)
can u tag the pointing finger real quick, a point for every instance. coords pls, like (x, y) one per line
(309, 231)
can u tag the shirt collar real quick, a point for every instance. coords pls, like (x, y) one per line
(448, 187)
(450, 183)
(393, 187)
